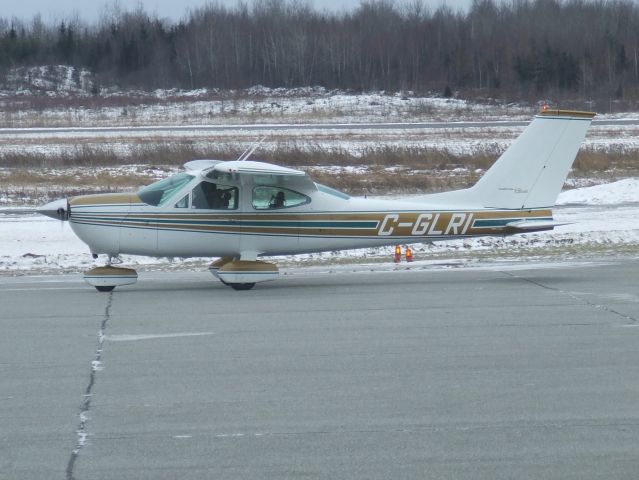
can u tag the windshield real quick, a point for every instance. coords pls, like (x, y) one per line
(159, 192)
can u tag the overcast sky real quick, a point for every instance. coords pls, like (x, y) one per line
(90, 9)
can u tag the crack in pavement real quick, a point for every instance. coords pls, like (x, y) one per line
(96, 366)
(578, 298)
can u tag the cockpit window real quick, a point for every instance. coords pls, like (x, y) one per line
(159, 192)
(265, 197)
(212, 196)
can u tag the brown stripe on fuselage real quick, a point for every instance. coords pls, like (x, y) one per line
(105, 199)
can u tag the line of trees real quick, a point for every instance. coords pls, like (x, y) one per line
(519, 49)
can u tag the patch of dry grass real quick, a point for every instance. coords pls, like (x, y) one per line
(108, 180)
(378, 181)
(179, 153)
(91, 156)
(416, 158)
(422, 170)
(591, 162)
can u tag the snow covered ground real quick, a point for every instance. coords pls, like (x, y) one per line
(604, 223)
(174, 114)
(126, 144)
(254, 105)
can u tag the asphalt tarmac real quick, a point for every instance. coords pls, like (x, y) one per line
(458, 374)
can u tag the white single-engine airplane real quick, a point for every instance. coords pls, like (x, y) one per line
(241, 210)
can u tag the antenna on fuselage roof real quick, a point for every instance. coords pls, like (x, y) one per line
(249, 151)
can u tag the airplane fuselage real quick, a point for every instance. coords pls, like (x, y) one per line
(121, 224)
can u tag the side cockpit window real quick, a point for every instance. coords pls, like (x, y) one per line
(267, 197)
(212, 196)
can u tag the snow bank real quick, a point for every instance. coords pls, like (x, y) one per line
(622, 191)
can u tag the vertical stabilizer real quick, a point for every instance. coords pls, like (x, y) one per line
(532, 171)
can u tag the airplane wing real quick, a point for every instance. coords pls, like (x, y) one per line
(256, 168)
(195, 165)
(263, 173)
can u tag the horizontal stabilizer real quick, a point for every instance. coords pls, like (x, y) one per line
(534, 225)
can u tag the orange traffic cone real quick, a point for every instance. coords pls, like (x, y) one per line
(409, 254)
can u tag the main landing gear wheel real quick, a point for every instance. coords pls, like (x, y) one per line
(104, 288)
(106, 278)
(243, 274)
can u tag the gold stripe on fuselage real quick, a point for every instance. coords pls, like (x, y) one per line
(105, 199)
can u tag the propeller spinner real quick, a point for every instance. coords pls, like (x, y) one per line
(58, 209)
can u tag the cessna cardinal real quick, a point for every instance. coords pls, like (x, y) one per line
(241, 210)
